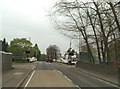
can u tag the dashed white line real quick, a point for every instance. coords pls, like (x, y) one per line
(29, 79)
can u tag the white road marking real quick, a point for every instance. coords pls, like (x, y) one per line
(99, 79)
(107, 82)
(33, 67)
(78, 87)
(68, 78)
(29, 79)
(60, 72)
(18, 73)
(65, 77)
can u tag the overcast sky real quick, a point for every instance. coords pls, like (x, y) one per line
(28, 18)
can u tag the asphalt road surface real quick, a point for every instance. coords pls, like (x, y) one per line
(72, 74)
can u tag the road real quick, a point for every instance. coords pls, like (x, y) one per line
(72, 74)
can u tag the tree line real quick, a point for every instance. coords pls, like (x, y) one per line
(20, 47)
(97, 22)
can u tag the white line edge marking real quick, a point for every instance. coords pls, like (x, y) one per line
(60, 72)
(33, 67)
(99, 79)
(66, 77)
(69, 79)
(78, 87)
(29, 79)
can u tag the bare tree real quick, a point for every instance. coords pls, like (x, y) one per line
(96, 21)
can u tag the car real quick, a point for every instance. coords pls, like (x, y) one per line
(32, 59)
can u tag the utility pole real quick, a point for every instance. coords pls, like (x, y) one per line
(28, 50)
(70, 43)
(79, 46)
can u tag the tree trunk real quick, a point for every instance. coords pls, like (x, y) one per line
(102, 50)
(96, 39)
(103, 33)
(92, 60)
(84, 34)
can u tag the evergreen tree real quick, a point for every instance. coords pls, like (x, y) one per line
(37, 52)
(4, 45)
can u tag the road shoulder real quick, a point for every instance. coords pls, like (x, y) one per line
(15, 77)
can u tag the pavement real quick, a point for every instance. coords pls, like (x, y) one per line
(14, 77)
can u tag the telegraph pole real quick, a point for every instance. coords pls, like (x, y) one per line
(79, 46)
(28, 50)
(70, 44)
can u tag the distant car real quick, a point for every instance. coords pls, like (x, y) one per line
(71, 61)
(32, 59)
(64, 60)
(54, 60)
(74, 62)
(49, 60)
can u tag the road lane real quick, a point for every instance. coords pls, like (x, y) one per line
(71, 73)
(46, 75)
(45, 66)
(48, 78)
(82, 79)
